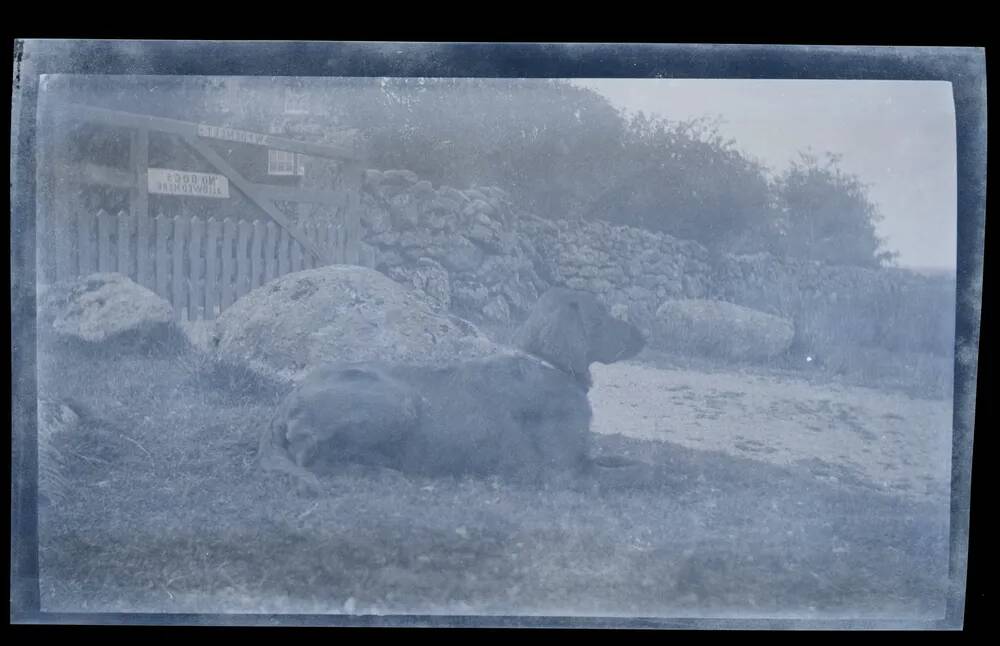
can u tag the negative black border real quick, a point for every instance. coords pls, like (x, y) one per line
(964, 67)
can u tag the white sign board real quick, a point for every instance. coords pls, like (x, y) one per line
(232, 134)
(164, 181)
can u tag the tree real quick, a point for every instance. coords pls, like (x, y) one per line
(827, 215)
(685, 179)
(560, 150)
(546, 141)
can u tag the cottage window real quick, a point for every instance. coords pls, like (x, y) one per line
(280, 162)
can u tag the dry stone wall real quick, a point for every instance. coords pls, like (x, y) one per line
(463, 248)
(475, 253)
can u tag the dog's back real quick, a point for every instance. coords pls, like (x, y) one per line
(358, 408)
(512, 415)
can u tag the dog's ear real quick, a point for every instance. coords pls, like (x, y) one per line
(556, 332)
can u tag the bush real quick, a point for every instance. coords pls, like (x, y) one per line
(686, 180)
(826, 215)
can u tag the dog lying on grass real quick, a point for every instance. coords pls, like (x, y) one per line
(522, 416)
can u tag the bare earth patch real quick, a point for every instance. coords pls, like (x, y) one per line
(885, 440)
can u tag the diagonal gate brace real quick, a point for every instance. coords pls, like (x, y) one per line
(247, 188)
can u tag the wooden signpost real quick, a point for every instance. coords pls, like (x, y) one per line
(202, 266)
(166, 181)
(232, 134)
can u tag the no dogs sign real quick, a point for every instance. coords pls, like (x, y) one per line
(165, 181)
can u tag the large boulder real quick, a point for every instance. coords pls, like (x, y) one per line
(340, 313)
(427, 276)
(720, 329)
(107, 310)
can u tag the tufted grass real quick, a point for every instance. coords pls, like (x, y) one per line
(178, 519)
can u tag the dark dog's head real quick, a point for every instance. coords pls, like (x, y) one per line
(571, 329)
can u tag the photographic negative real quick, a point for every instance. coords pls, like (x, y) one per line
(424, 344)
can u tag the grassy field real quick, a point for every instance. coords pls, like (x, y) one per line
(167, 512)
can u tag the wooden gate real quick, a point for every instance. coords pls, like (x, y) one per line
(201, 265)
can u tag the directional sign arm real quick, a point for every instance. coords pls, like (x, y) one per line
(342, 151)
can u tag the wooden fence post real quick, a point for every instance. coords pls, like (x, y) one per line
(296, 256)
(341, 240)
(309, 260)
(256, 261)
(124, 242)
(242, 258)
(178, 280)
(196, 261)
(228, 239)
(283, 260)
(104, 242)
(323, 238)
(162, 276)
(143, 261)
(211, 267)
(271, 253)
(87, 225)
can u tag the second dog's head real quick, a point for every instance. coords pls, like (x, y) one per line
(571, 329)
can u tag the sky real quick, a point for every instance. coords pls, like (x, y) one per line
(897, 136)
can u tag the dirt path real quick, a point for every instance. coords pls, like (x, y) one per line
(889, 441)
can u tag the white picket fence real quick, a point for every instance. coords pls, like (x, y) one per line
(200, 265)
